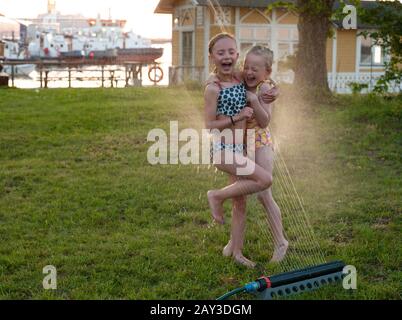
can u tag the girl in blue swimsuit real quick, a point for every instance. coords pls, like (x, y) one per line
(226, 112)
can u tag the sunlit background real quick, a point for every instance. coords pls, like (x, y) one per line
(138, 13)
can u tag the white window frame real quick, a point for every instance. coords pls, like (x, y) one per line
(385, 57)
(253, 39)
(181, 29)
(289, 41)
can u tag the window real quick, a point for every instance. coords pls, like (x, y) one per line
(246, 33)
(284, 49)
(187, 48)
(254, 35)
(262, 34)
(295, 35)
(377, 55)
(283, 34)
(245, 46)
(287, 34)
(287, 41)
(370, 54)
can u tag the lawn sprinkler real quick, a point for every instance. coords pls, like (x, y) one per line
(293, 282)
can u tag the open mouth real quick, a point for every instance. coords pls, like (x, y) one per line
(250, 80)
(227, 65)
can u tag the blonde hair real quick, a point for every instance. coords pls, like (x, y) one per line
(265, 53)
(218, 37)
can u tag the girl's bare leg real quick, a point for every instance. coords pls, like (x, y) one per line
(235, 245)
(259, 179)
(265, 158)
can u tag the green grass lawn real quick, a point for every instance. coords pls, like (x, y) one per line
(77, 192)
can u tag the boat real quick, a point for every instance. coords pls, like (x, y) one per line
(12, 51)
(101, 40)
(140, 54)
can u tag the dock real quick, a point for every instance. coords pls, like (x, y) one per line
(106, 66)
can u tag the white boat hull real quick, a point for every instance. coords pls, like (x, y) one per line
(20, 70)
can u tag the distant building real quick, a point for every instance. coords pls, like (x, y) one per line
(9, 28)
(55, 22)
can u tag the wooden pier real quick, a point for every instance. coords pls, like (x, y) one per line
(107, 67)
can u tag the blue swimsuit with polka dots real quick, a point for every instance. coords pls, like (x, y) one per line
(232, 100)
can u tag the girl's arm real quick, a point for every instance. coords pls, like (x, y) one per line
(262, 112)
(211, 99)
(266, 90)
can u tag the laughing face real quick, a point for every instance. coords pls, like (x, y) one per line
(255, 70)
(224, 55)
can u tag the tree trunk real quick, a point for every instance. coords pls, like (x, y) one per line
(311, 66)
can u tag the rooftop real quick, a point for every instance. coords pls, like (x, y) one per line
(167, 6)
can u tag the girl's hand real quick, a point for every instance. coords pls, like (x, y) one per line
(251, 97)
(270, 96)
(246, 113)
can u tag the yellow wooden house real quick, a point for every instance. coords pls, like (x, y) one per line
(350, 58)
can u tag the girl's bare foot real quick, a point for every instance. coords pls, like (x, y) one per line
(240, 259)
(280, 252)
(216, 207)
(227, 250)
